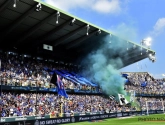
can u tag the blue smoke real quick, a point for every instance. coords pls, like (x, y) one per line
(102, 66)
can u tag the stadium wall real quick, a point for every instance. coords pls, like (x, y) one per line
(73, 119)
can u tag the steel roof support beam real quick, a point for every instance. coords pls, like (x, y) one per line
(84, 49)
(129, 53)
(133, 60)
(4, 5)
(135, 55)
(135, 52)
(88, 49)
(67, 36)
(18, 21)
(47, 35)
(36, 27)
(79, 40)
(50, 33)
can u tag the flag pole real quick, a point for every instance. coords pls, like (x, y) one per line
(85, 100)
(61, 106)
(36, 97)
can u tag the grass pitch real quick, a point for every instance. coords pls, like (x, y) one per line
(158, 119)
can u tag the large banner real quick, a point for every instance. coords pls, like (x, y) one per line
(54, 121)
(73, 119)
(38, 89)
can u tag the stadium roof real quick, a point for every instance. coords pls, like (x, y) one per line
(23, 29)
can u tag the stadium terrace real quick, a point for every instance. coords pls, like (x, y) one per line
(41, 50)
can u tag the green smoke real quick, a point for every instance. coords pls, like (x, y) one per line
(103, 64)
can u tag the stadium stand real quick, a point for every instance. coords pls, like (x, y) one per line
(155, 105)
(48, 104)
(144, 84)
(18, 72)
(28, 72)
(28, 65)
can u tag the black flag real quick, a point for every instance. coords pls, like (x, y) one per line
(54, 79)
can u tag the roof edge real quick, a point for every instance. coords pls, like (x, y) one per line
(77, 18)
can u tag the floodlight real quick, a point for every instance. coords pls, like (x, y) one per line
(98, 32)
(38, 7)
(72, 22)
(14, 5)
(152, 57)
(134, 46)
(127, 45)
(87, 29)
(147, 51)
(58, 15)
(149, 39)
(147, 42)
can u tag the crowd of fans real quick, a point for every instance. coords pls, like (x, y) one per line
(16, 71)
(151, 103)
(19, 71)
(39, 104)
(46, 104)
(144, 83)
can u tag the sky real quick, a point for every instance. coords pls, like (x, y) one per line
(132, 20)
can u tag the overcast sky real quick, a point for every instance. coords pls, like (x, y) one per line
(133, 20)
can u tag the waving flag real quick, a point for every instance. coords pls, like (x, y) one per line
(125, 75)
(112, 97)
(144, 84)
(70, 76)
(56, 80)
(122, 99)
(60, 87)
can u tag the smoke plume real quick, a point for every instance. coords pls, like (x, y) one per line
(102, 65)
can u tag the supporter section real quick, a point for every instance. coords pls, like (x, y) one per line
(144, 84)
(24, 104)
(30, 73)
(19, 71)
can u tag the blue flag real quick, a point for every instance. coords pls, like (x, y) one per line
(60, 87)
(125, 75)
(144, 84)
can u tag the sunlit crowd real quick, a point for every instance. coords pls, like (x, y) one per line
(144, 83)
(29, 72)
(32, 104)
(18, 71)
